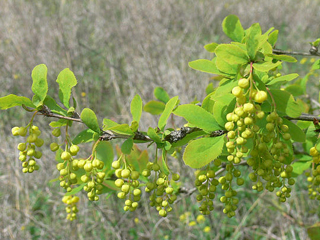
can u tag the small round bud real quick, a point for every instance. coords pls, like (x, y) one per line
(74, 149)
(56, 132)
(54, 146)
(65, 156)
(260, 96)
(15, 131)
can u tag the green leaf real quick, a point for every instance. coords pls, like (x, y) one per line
(84, 137)
(285, 78)
(54, 106)
(134, 126)
(211, 47)
(220, 107)
(136, 108)
(281, 57)
(265, 66)
(89, 118)
(137, 158)
(104, 152)
(253, 42)
(161, 94)
(286, 103)
(198, 117)
(300, 167)
(107, 123)
(66, 81)
(200, 152)
(204, 65)
(295, 90)
(171, 104)
(12, 100)
(231, 54)
(273, 37)
(162, 161)
(110, 186)
(209, 88)
(127, 146)
(207, 103)
(154, 107)
(232, 28)
(122, 129)
(316, 65)
(225, 67)
(153, 135)
(60, 123)
(39, 84)
(314, 231)
(296, 132)
(316, 42)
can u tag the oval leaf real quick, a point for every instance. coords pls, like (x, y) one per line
(265, 66)
(231, 54)
(286, 103)
(54, 107)
(136, 108)
(198, 117)
(39, 84)
(154, 107)
(296, 133)
(90, 119)
(204, 65)
(66, 81)
(211, 47)
(14, 100)
(285, 78)
(200, 152)
(171, 104)
(126, 146)
(161, 94)
(104, 152)
(232, 28)
(83, 137)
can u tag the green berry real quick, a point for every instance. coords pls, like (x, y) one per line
(155, 167)
(248, 108)
(116, 164)
(39, 142)
(125, 173)
(56, 132)
(65, 156)
(54, 146)
(134, 175)
(32, 138)
(84, 178)
(125, 188)
(175, 177)
(15, 131)
(74, 149)
(21, 147)
(243, 82)
(260, 96)
(22, 131)
(237, 91)
(163, 213)
(88, 167)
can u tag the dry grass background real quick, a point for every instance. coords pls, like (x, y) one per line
(118, 49)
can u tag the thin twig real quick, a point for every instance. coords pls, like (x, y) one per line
(311, 53)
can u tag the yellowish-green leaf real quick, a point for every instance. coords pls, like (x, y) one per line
(201, 152)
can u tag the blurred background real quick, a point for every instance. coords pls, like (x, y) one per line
(117, 49)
